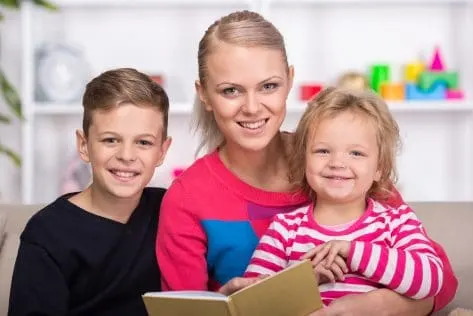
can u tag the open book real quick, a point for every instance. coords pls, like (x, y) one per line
(290, 292)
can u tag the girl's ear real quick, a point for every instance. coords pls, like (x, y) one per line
(377, 175)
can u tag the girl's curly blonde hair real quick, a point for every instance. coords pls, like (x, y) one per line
(328, 104)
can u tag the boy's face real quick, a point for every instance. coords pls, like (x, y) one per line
(124, 146)
(342, 158)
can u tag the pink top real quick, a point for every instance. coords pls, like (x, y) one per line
(389, 248)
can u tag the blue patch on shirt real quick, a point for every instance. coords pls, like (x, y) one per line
(230, 247)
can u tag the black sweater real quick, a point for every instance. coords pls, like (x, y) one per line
(72, 262)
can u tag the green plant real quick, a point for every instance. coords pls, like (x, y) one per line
(9, 93)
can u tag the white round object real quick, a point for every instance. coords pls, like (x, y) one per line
(62, 74)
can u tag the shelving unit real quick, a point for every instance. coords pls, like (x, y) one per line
(307, 19)
(44, 109)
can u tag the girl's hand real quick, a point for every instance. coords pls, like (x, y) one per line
(328, 251)
(332, 273)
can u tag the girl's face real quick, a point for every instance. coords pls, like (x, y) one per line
(342, 158)
(246, 89)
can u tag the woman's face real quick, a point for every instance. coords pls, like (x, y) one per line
(246, 89)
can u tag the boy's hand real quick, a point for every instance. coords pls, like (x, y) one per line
(332, 273)
(328, 251)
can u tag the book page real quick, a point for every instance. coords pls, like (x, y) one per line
(188, 295)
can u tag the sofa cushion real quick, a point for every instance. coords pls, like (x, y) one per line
(16, 217)
(449, 224)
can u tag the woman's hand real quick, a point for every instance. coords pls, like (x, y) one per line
(353, 305)
(238, 283)
(382, 302)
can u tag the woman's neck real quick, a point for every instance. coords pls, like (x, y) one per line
(94, 201)
(332, 213)
(266, 169)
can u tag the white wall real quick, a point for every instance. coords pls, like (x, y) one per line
(322, 42)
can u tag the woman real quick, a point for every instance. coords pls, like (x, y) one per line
(213, 215)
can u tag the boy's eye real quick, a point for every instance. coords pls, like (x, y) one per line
(145, 143)
(110, 140)
(231, 91)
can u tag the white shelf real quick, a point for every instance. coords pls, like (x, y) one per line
(138, 3)
(377, 2)
(45, 109)
(411, 106)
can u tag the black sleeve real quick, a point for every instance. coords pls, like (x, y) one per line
(38, 286)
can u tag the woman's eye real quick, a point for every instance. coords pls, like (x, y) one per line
(270, 86)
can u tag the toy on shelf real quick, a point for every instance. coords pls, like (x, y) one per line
(380, 74)
(437, 91)
(393, 91)
(421, 82)
(353, 80)
(412, 71)
(308, 91)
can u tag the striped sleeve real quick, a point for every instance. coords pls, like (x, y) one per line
(270, 254)
(409, 266)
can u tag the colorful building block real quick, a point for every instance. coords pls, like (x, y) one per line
(392, 91)
(380, 73)
(437, 62)
(438, 92)
(412, 71)
(454, 94)
(428, 79)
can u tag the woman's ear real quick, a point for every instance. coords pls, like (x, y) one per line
(200, 90)
(291, 76)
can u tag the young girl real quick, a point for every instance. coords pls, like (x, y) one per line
(344, 157)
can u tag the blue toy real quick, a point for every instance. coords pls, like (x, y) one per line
(438, 91)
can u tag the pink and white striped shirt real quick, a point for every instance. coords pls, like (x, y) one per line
(389, 248)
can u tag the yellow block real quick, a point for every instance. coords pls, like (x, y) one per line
(412, 71)
(392, 91)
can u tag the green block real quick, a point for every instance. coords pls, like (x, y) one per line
(380, 73)
(428, 78)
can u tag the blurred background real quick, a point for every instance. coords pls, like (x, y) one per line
(416, 54)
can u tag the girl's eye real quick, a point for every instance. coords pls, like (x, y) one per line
(230, 91)
(321, 151)
(357, 153)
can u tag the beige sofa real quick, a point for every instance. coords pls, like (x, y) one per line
(451, 224)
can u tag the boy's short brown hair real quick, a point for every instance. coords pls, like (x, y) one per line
(123, 85)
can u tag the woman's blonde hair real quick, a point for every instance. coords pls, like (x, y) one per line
(242, 28)
(328, 104)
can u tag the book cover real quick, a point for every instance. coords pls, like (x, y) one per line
(290, 292)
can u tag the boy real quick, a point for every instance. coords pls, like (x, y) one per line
(92, 253)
